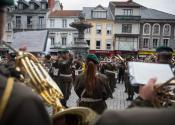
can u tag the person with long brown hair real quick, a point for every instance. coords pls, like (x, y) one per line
(92, 87)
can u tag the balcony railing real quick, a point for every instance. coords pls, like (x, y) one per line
(29, 26)
(123, 17)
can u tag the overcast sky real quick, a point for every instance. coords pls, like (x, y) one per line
(163, 5)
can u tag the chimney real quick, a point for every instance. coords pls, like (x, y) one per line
(61, 5)
(51, 4)
(129, 0)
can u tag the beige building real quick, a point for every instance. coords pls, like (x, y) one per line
(100, 36)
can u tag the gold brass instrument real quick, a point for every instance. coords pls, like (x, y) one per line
(43, 85)
(118, 57)
(151, 58)
(165, 94)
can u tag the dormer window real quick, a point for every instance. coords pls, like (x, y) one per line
(31, 6)
(127, 12)
(43, 6)
(99, 14)
(20, 6)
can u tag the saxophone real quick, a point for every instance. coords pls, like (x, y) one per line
(41, 83)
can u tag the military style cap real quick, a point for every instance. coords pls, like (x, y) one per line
(6, 2)
(164, 49)
(93, 57)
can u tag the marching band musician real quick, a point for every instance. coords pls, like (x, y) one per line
(65, 76)
(18, 104)
(140, 116)
(92, 87)
(54, 70)
(164, 56)
(110, 70)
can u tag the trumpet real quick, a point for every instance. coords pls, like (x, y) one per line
(41, 83)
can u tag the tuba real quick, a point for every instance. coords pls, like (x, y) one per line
(41, 83)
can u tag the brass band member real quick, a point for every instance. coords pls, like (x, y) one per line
(110, 70)
(65, 75)
(18, 104)
(140, 116)
(91, 87)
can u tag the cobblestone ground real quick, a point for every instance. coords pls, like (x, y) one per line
(118, 102)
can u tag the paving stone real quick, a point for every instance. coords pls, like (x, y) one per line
(117, 103)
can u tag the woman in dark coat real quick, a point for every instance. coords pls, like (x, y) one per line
(91, 87)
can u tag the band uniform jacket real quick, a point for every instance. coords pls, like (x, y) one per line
(110, 73)
(54, 71)
(138, 116)
(23, 107)
(101, 93)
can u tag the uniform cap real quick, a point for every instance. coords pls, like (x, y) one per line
(164, 49)
(6, 2)
(93, 57)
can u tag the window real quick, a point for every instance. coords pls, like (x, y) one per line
(166, 30)
(146, 29)
(109, 30)
(165, 42)
(52, 41)
(75, 39)
(88, 30)
(41, 22)
(18, 21)
(99, 14)
(20, 6)
(52, 23)
(88, 42)
(32, 6)
(127, 12)
(64, 40)
(8, 38)
(43, 6)
(98, 29)
(29, 22)
(156, 29)
(108, 44)
(126, 28)
(98, 42)
(155, 43)
(145, 43)
(9, 27)
(64, 23)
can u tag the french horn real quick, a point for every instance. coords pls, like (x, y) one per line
(41, 83)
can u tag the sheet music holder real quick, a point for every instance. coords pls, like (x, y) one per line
(140, 72)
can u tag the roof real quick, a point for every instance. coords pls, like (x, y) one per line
(65, 13)
(147, 13)
(87, 11)
(129, 3)
(35, 41)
